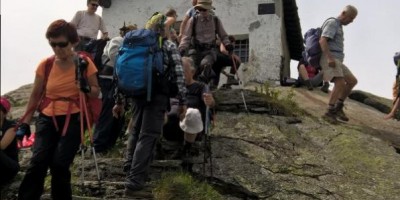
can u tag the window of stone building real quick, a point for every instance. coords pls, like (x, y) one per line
(242, 48)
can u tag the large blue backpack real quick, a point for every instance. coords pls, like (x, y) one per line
(140, 59)
(312, 53)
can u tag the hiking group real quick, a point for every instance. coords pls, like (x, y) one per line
(165, 79)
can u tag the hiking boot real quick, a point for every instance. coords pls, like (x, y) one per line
(138, 194)
(231, 80)
(340, 114)
(330, 116)
(308, 84)
(325, 87)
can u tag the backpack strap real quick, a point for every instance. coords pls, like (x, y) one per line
(324, 24)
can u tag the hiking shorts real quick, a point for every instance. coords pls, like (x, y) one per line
(340, 70)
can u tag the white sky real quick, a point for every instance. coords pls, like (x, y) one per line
(370, 41)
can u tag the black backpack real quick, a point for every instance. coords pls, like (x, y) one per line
(95, 48)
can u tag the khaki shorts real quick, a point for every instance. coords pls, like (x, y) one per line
(340, 70)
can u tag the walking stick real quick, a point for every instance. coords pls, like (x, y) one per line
(240, 84)
(89, 126)
(207, 141)
(81, 113)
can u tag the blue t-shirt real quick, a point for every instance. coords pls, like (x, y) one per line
(333, 30)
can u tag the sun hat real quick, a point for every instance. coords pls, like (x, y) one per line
(192, 123)
(5, 104)
(205, 4)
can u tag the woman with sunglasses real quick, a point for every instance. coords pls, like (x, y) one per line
(54, 148)
(88, 24)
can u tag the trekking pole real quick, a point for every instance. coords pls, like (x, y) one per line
(89, 126)
(207, 141)
(240, 84)
(82, 138)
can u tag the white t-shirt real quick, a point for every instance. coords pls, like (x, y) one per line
(88, 25)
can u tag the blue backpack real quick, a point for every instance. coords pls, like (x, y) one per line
(312, 53)
(140, 58)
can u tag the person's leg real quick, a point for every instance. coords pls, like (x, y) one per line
(304, 77)
(206, 64)
(62, 158)
(217, 68)
(151, 128)
(104, 127)
(235, 67)
(8, 168)
(317, 80)
(45, 144)
(335, 75)
(396, 106)
(134, 131)
(350, 81)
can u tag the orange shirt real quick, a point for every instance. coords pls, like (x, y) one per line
(61, 83)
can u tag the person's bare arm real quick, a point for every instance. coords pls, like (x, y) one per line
(94, 86)
(182, 27)
(323, 42)
(34, 99)
(7, 138)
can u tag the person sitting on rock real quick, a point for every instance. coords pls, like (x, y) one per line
(198, 98)
(9, 166)
(310, 77)
(201, 34)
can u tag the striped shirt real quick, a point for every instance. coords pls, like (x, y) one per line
(171, 48)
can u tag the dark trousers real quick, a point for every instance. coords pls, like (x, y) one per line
(148, 119)
(108, 128)
(222, 62)
(51, 150)
(8, 168)
(204, 61)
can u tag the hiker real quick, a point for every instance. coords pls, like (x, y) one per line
(88, 24)
(396, 90)
(198, 97)
(189, 13)
(225, 59)
(310, 77)
(162, 21)
(108, 127)
(204, 28)
(56, 97)
(9, 165)
(174, 37)
(332, 58)
(148, 119)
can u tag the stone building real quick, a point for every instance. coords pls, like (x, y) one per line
(268, 32)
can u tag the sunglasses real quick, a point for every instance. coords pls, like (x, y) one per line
(202, 10)
(95, 5)
(59, 44)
